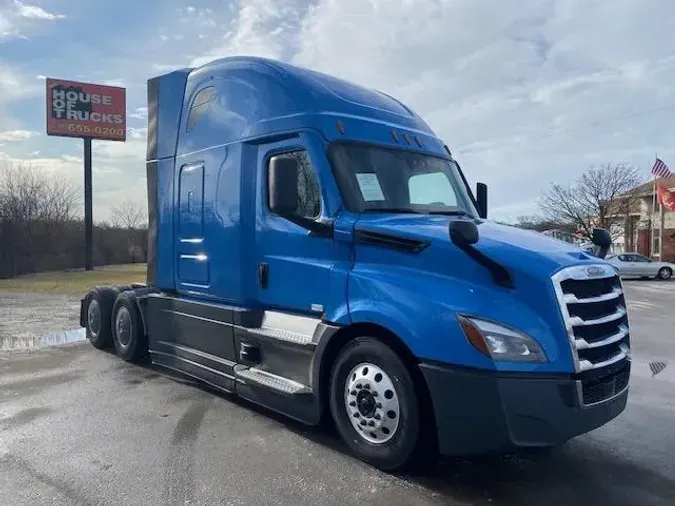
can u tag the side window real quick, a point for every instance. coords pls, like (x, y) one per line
(623, 258)
(309, 194)
(200, 104)
(431, 188)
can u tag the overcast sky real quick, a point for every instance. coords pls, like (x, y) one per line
(524, 92)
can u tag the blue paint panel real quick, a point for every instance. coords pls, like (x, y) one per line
(418, 296)
(256, 97)
(224, 224)
(193, 270)
(295, 258)
(191, 203)
(257, 108)
(164, 275)
(171, 91)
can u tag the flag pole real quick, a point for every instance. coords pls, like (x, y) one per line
(663, 219)
(652, 237)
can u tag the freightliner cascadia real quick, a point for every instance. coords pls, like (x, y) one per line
(315, 248)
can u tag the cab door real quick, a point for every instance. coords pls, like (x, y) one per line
(294, 263)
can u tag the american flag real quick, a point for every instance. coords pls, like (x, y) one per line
(660, 169)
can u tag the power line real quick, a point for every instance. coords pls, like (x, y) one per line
(554, 131)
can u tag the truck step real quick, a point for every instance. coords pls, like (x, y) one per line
(269, 380)
(293, 329)
(283, 335)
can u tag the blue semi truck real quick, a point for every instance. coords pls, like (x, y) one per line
(315, 248)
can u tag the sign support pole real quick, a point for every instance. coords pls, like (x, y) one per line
(88, 221)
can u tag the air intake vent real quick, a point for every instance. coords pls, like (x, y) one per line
(390, 241)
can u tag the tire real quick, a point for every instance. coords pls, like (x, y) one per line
(369, 380)
(128, 334)
(98, 310)
(665, 273)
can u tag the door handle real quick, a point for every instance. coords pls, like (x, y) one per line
(263, 274)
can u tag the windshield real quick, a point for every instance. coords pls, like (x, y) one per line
(375, 179)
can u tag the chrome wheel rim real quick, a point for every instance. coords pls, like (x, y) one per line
(123, 326)
(94, 318)
(372, 403)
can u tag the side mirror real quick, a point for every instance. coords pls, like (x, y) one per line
(482, 199)
(282, 184)
(463, 232)
(602, 240)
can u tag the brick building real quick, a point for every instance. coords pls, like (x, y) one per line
(638, 228)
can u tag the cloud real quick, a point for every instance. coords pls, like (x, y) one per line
(524, 93)
(6, 28)
(13, 84)
(24, 10)
(539, 92)
(118, 170)
(17, 135)
(114, 82)
(17, 16)
(262, 28)
(139, 113)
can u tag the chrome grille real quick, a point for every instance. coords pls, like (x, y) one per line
(594, 311)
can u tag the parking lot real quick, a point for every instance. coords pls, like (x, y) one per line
(79, 426)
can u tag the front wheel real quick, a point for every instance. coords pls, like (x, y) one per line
(374, 404)
(665, 273)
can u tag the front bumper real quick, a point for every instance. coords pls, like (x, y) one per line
(484, 411)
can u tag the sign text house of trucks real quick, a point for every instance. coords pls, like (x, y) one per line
(86, 110)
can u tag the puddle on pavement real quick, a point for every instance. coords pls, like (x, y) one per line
(56, 339)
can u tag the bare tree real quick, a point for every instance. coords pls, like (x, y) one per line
(35, 211)
(601, 197)
(27, 193)
(129, 214)
(541, 224)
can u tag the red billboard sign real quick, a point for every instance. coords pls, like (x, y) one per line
(86, 110)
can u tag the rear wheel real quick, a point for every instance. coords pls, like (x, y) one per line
(665, 273)
(127, 328)
(374, 404)
(98, 309)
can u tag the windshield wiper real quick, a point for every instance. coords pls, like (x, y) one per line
(451, 213)
(406, 210)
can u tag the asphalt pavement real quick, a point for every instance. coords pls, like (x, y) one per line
(79, 426)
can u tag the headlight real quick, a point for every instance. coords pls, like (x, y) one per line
(500, 342)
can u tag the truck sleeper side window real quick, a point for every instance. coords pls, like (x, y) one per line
(200, 104)
(309, 195)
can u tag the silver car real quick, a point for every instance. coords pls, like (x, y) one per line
(636, 265)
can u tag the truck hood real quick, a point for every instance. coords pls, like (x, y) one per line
(521, 251)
